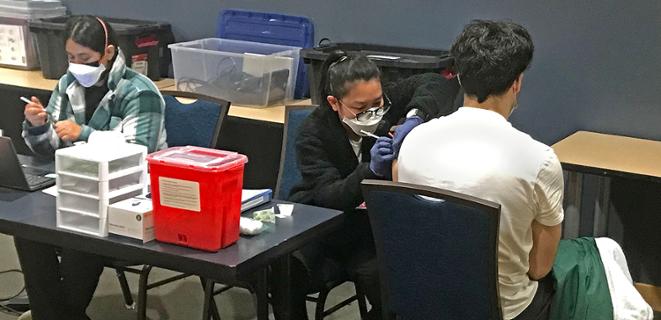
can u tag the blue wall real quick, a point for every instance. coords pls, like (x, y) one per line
(595, 68)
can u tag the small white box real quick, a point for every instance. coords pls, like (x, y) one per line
(132, 218)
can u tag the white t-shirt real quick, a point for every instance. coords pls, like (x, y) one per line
(356, 145)
(477, 152)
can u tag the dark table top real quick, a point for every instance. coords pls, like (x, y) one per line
(31, 215)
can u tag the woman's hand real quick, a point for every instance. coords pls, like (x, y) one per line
(67, 130)
(35, 113)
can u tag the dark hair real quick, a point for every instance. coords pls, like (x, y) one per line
(340, 68)
(490, 55)
(89, 32)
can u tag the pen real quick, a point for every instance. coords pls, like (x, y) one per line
(369, 134)
(26, 100)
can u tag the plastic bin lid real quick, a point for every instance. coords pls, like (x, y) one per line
(201, 159)
(120, 26)
(384, 56)
(266, 28)
(30, 13)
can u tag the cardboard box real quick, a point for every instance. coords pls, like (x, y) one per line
(132, 218)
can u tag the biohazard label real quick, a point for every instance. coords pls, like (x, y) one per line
(180, 194)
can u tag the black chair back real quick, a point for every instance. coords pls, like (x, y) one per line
(437, 252)
(289, 174)
(197, 123)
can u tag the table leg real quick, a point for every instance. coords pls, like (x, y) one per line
(601, 208)
(282, 291)
(573, 205)
(262, 295)
(208, 295)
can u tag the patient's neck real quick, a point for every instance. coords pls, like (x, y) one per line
(501, 104)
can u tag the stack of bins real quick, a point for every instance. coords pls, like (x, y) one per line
(90, 177)
(17, 49)
(273, 28)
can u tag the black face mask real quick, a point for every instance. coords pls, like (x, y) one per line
(93, 64)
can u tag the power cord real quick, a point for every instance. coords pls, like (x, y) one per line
(10, 311)
(5, 308)
(3, 299)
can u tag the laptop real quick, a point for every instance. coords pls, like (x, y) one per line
(28, 173)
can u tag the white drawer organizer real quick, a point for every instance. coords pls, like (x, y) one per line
(92, 176)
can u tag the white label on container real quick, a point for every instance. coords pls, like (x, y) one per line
(180, 194)
(254, 65)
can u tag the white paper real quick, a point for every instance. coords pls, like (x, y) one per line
(285, 210)
(51, 191)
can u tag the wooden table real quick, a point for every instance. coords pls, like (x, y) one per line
(34, 79)
(606, 156)
(255, 132)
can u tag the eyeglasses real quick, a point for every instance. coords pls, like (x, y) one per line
(373, 112)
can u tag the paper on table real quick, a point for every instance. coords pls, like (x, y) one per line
(285, 210)
(51, 191)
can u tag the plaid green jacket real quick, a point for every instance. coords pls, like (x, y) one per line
(132, 106)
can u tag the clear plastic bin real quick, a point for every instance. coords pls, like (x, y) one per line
(69, 165)
(242, 72)
(78, 203)
(98, 163)
(78, 212)
(118, 165)
(93, 186)
(78, 222)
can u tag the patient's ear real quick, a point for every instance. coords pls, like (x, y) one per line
(516, 85)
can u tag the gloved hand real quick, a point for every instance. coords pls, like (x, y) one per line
(382, 156)
(402, 131)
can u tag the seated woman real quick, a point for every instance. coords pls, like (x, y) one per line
(336, 150)
(99, 92)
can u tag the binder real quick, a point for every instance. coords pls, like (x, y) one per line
(251, 198)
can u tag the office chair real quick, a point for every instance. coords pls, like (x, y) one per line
(437, 252)
(197, 123)
(323, 280)
(288, 175)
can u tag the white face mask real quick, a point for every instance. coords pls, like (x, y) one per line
(514, 106)
(368, 125)
(86, 75)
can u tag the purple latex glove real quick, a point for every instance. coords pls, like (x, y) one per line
(382, 156)
(402, 131)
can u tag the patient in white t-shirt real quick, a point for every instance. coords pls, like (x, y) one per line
(476, 151)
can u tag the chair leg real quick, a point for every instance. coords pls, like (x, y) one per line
(209, 299)
(129, 303)
(321, 304)
(362, 304)
(142, 292)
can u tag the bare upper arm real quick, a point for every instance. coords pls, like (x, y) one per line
(394, 170)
